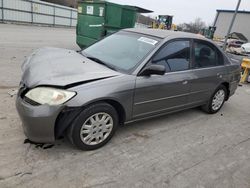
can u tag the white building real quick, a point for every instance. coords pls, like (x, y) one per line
(241, 25)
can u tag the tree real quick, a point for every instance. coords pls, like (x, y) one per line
(192, 27)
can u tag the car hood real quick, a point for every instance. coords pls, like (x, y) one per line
(61, 67)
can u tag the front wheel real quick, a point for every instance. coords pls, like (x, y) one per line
(94, 127)
(216, 101)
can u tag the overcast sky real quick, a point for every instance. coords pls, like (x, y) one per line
(187, 10)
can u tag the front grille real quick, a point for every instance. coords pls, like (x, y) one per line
(27, 100)
(22, 90)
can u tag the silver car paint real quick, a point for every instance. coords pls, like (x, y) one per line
(39, 121)
(139, 96)
(119, 89)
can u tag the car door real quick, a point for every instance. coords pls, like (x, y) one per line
(208, 70)
(161, 93)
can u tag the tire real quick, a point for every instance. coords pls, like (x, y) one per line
(86, 130)
(210, 107)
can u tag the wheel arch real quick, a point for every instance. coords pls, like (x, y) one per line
(119, 108)
(226, 84)
(67, 116)
(114, 103)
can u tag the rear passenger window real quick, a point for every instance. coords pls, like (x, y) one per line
(206, 56)
(174, 56)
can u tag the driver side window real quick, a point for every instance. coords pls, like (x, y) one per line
(175, 56)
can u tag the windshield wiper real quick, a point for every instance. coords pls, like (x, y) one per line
(101, 62)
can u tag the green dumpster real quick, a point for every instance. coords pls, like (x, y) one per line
(97, 19)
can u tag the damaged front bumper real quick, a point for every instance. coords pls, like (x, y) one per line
(38, 121)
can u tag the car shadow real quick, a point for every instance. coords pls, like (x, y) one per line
(161, 120)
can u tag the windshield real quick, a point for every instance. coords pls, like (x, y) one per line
(122, 50)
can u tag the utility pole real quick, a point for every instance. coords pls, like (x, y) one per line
(231, 25)
(76, 3)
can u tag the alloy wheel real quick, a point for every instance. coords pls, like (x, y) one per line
(218, 99)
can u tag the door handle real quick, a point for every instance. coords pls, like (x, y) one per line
(219, 75)
(185, 82)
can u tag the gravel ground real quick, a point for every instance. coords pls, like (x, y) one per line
(185, 149)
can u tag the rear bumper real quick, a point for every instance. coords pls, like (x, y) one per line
(38, 121)
(233, 86)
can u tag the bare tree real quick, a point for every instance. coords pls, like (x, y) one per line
(181, 27)
(192, 27)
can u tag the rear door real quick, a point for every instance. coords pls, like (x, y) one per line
(208, 70)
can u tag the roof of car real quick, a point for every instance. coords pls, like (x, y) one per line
(160, 33)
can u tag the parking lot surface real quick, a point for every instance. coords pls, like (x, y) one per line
(185, 149)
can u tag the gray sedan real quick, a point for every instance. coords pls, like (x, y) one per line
(131, 75)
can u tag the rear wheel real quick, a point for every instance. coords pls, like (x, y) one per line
(216, 101)
(94, 127)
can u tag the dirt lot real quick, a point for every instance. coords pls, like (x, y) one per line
(186, 149)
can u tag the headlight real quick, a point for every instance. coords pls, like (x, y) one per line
(50, 96)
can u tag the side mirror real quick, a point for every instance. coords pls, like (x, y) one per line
(153, 69)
